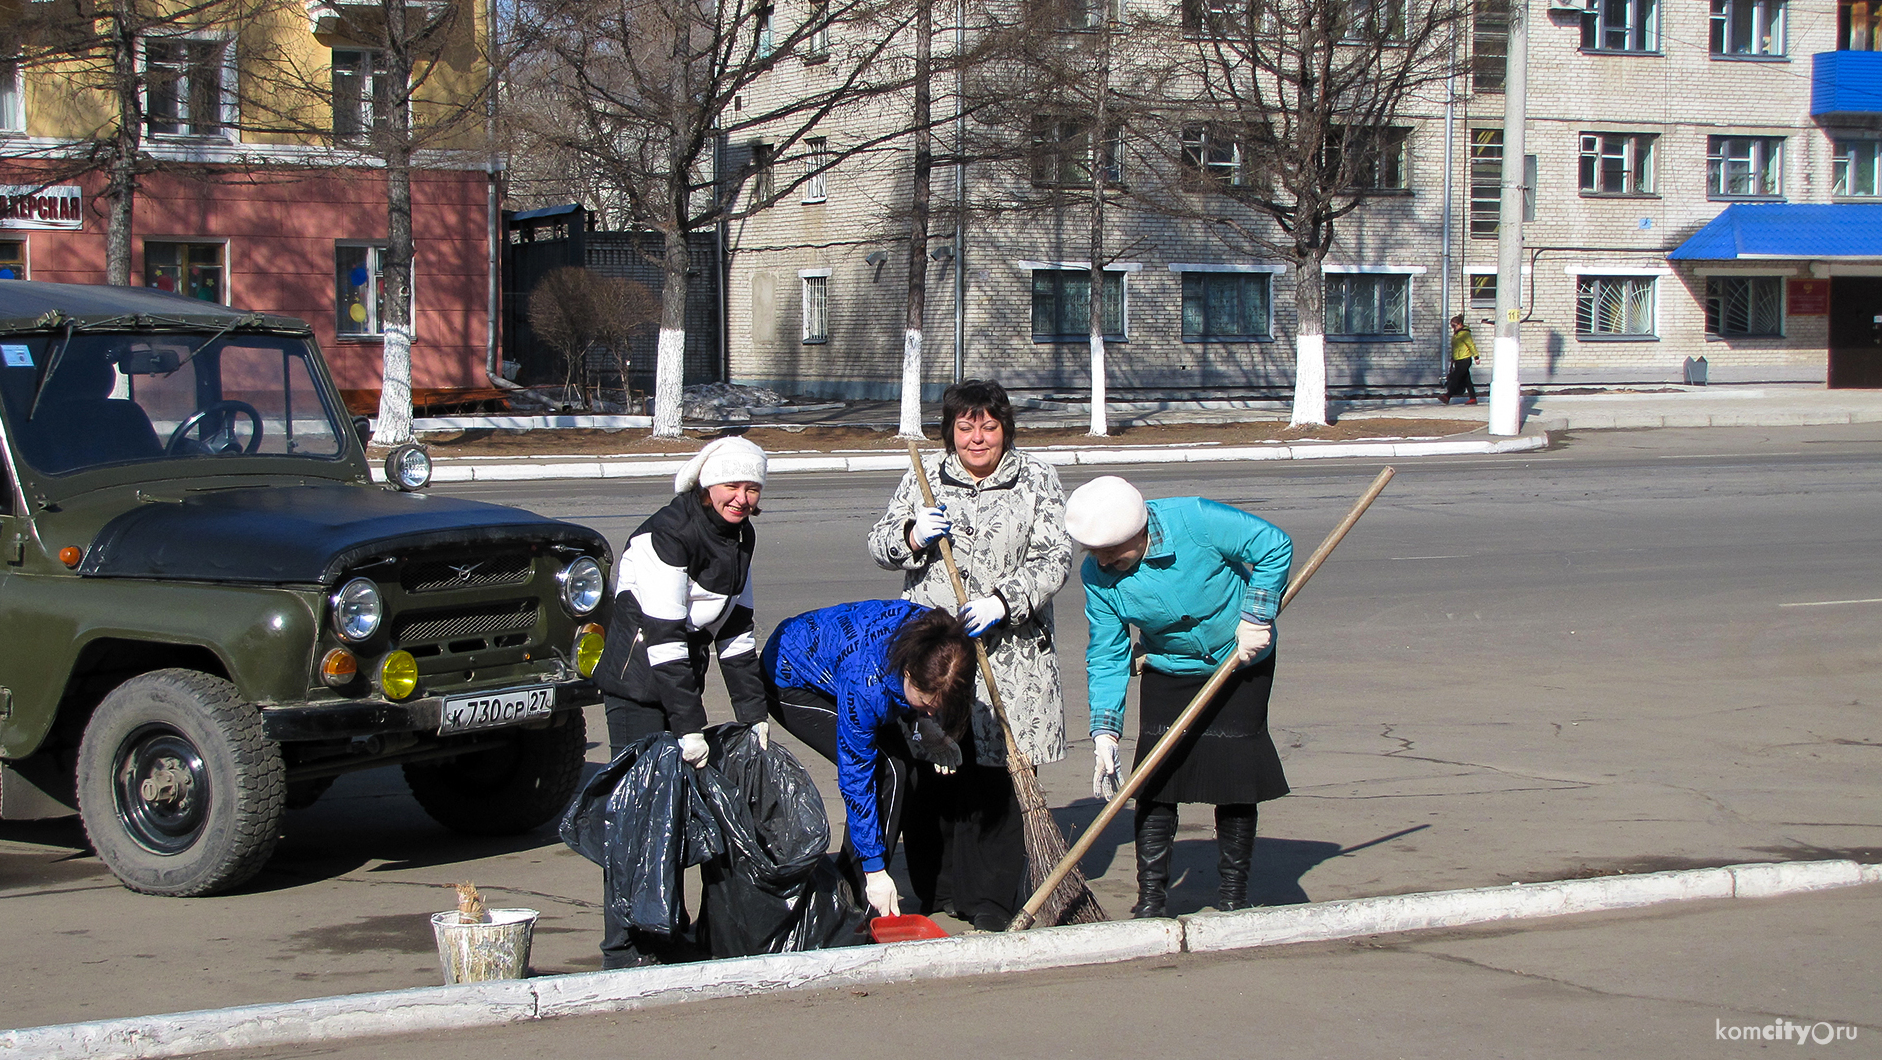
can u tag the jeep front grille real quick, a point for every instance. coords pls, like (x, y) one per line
(469, 572)
(477, 620)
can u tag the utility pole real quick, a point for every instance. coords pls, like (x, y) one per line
(1506, 411)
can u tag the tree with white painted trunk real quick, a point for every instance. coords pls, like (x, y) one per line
(921, 131)
(1295, 120)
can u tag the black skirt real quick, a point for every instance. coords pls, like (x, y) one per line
(1227, 757)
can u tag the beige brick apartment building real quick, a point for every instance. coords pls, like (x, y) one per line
(1649, 120)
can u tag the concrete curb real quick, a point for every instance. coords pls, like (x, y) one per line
(552, 467)
(430, 1009)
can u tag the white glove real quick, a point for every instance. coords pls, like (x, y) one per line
(881, 893)
(762, 730)
(1251, 639)
(693, 749)
(1106, 775)
(981, 614)
(930, 523)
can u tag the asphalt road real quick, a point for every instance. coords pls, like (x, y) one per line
(1643, 650)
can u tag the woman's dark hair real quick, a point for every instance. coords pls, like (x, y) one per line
(975, 395)
(1458, 319)
(934, 651)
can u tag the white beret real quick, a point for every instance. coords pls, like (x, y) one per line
(729, 459)
(1105, 511)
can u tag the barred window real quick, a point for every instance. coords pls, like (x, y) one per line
(1744, 305)
(816, 308)
(1367, 304)
(1225, 305)
(1061, 305)
(1486, 182)
(1614, 306)
(816, 169)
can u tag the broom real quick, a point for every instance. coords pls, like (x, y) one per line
(1044, 894)
(1067, 899)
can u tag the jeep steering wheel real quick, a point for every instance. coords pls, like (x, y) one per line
(223, 439)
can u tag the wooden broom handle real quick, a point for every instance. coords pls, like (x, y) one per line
(1167, 744)
(960, 597)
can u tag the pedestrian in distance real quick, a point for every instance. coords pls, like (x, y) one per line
(682, 587)
(874, 687)
(1201, 582)
(1003, 510)
(1463, 354)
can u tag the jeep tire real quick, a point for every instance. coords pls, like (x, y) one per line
(180, 792)
(505, 790)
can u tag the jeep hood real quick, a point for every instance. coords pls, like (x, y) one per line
(305, 534)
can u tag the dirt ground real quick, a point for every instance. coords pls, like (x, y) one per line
(813, 438)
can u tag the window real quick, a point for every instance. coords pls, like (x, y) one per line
(1617, 163)
(1379, 157)
(1225, 305)
(1062, 152)
(1614, 306)
(763, 174)
(1220, 19)
(1486, 181)
(816, 308)
(1489, 44)
(1368, 304)
(12, 106)
(817, 40)
(1061, 305)
(193, 270)
(1858, 26)
(12, 259)
(1482, 288)
(1373, 20)
(1748, 27)
(187, 82)
(1081, 14)
(1744, 305)
(1744, 166)
(767, 38)
(1214, 156)
(1857, 167)
(362, 90)
(359, 288)
(816, 169)
(1621, 26)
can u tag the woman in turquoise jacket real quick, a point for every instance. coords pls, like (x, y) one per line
(1202, 582)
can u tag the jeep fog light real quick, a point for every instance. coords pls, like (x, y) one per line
(398, 675)
(589, 640)
(582, 584)
(338, 668)
(408, 467)
(357, 609)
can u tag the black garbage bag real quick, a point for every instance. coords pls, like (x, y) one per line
(644, 819)
(774, 888)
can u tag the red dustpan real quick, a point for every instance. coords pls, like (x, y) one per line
(905, 928)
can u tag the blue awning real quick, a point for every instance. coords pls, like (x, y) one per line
(1787, 230)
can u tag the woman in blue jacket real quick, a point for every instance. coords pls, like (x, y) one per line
(1202, 582)
(859, 683)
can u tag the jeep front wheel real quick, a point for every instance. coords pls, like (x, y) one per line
(180, 792)
(509, 789)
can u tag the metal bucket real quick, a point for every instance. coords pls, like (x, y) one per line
(496, 949)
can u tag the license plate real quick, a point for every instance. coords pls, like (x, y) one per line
(494, 710)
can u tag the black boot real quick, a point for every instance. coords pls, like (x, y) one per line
(1156, 832)
(1235, 842)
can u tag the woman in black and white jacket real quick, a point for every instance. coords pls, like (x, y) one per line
(684, 585)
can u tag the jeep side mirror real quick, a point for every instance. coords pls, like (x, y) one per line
(363, 428)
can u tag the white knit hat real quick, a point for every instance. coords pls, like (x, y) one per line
(729, 459)
(1105, 511)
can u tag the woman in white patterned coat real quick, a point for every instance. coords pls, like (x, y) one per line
(1004, 511)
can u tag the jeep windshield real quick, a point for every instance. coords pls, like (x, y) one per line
(75, 401)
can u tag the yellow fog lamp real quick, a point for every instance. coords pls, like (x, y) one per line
(398, 675)
(338, 668)
(589, 640)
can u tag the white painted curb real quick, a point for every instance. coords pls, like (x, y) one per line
(579, 468)
(490, 1004)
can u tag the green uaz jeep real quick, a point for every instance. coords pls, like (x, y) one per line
(208, 611)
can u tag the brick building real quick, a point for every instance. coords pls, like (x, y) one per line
(1649, 120)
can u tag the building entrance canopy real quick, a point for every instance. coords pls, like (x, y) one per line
(1751, 231)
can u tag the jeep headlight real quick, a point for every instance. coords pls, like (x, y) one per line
(357, 609)
(582, 585)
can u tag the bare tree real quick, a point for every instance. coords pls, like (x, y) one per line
(575, 310)
(651, 91)
(1295, 110)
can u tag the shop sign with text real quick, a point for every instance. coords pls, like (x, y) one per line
(26, 206)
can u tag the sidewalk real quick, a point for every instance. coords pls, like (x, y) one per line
(1544, 414)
